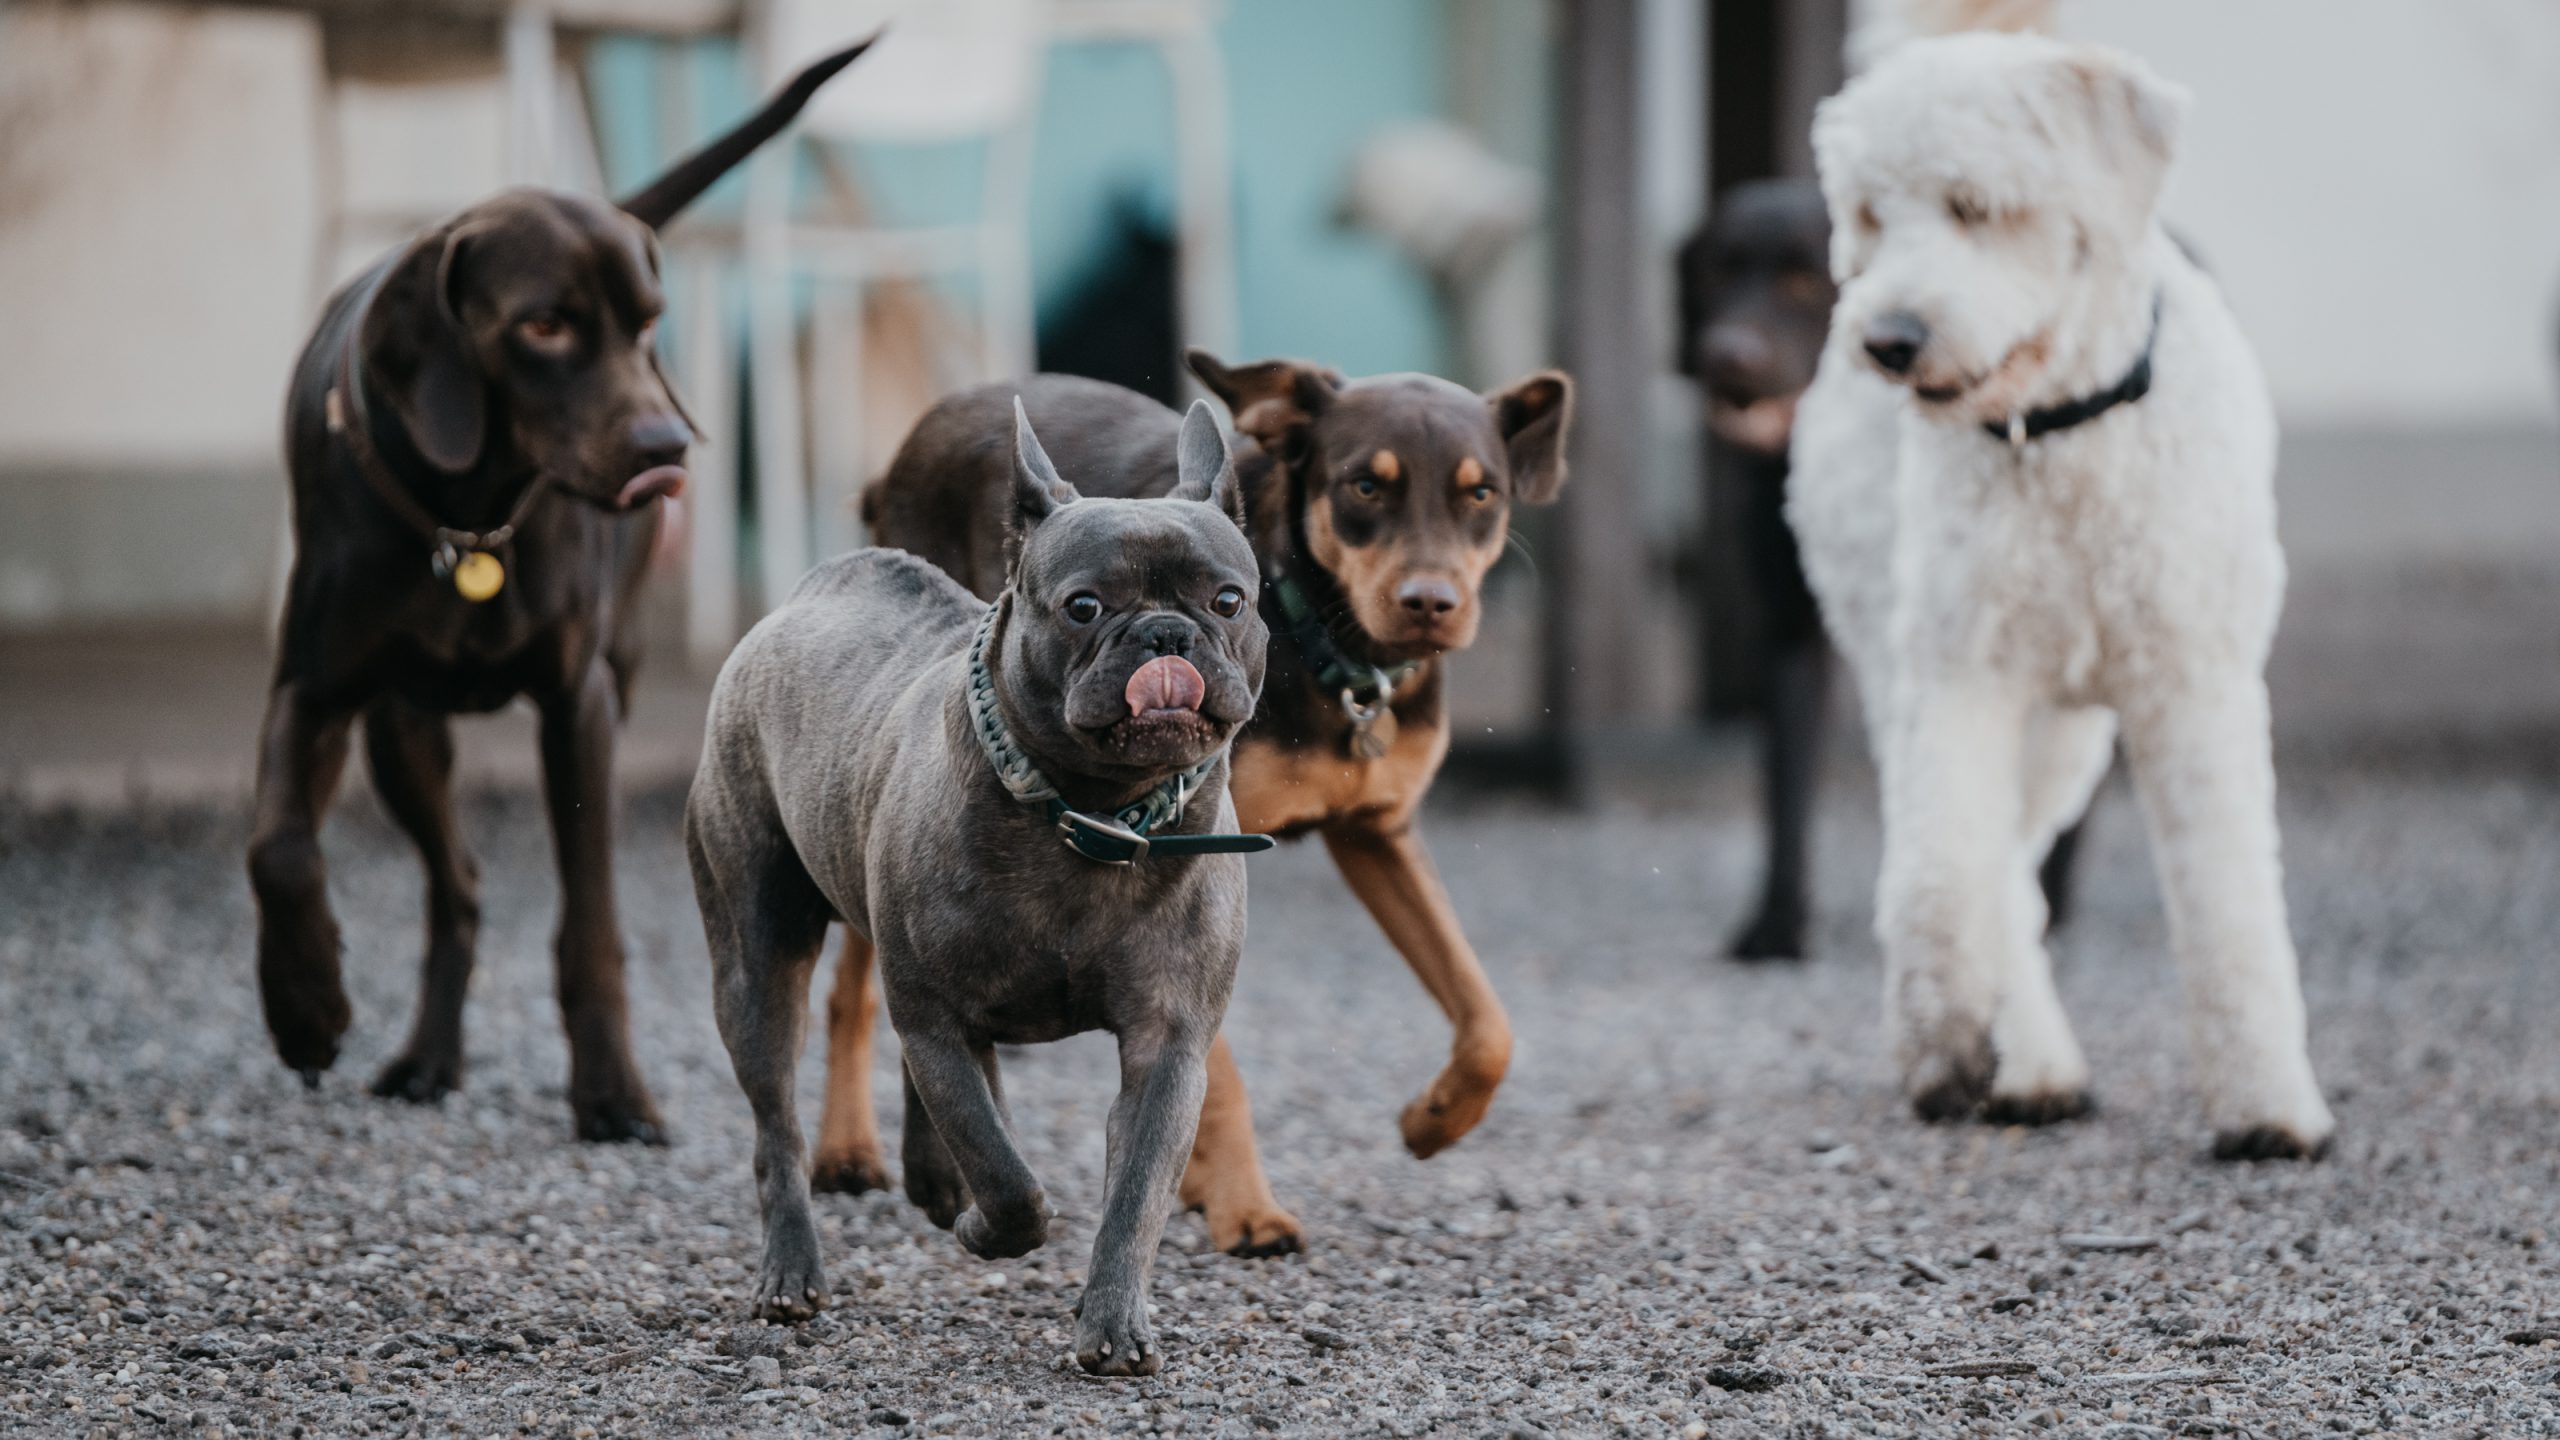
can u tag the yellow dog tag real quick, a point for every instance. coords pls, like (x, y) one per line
(478, 575)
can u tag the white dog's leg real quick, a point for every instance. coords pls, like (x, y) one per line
(1951, 815)
(2201, 759)
(2042, 1075)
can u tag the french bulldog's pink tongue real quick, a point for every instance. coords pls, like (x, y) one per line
(1165, 683)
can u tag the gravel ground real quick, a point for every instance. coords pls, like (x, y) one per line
(1696, 1209)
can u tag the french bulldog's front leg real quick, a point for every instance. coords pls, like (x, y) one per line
(1008, 1214)
(1162, 1081)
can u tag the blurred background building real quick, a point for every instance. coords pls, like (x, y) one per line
(1471, 187)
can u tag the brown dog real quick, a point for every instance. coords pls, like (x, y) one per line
(1377, 507)
(477, 434)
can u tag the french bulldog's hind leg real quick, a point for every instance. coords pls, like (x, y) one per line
(765, 921)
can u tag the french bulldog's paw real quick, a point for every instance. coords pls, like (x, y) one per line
(1257, 1233)
(1776, 933)
(421, 1077)
(2270, 1142)
(2037, 1108)
(617, 1116)
(792, 1286)
(852, 1172)
(1018, 1235)
(1949, 1082)
(1113, 1339)
(933, 1184)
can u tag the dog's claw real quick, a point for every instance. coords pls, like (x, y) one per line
(2043, 1109)
(2269, 1142)
(310, 1076)
(419, 1079)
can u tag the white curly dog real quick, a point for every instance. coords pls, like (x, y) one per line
(2033, 483)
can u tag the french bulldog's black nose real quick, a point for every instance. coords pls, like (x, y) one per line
(1427, 598)
(661, 439)
(1894, 340)
(1164, 634)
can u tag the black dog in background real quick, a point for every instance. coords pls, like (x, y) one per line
(1755, 303)
(477, 435)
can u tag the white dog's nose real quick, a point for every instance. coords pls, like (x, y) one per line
(1894, 340)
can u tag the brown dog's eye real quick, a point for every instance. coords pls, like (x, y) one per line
(546, 331)
(1084, 609)
(1482, 494)
(1366, 487)
(1229, 604)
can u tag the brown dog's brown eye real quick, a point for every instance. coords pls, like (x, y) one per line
(1482, 494)
(1084, 609)
(1229, 604)
(1366, 487)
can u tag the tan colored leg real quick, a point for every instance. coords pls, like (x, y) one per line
(1393, 876)
(848, 1159)
(1225, 1180)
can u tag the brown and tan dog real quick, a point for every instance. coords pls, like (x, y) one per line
(1377, 507)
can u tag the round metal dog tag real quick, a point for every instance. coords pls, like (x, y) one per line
(1374, 737)
(478, 575)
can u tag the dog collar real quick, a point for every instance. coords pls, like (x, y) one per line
(468, 558)
(1365, 689)
(2035, 424)
(1123, 838)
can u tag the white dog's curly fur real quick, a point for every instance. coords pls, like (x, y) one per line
(2007, 606)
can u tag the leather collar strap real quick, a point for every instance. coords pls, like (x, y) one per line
(1363, 687)
(350, 421)
(2035, 424)
(1123, 838)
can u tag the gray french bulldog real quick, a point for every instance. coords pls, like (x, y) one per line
(1020, 805)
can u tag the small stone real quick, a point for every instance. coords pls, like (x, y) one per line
(763, 1373)
(1751, 1379)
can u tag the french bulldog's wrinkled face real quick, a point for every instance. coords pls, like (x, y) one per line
(1134, 647)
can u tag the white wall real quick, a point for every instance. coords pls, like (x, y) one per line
(2377, 183)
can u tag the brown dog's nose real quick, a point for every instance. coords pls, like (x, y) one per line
(1427, 598)
(1736, 359)
(661, 438)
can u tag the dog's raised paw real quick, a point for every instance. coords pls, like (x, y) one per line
(2268, 1142)
(1114, 1340)
(990, 1241)
(2046, 1108)
(420, 1079)
(855, 1172)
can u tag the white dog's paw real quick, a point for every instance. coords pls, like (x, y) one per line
(2275, 1113)
(2042, 1076)
(1948, 1078)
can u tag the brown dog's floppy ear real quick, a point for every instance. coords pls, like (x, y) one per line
(415, 348)
(1037, 489)
(1207, 470)
(1273, 400)
(1532, 418)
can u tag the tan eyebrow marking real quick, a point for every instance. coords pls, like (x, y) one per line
(1385, 465)
(1470, 473)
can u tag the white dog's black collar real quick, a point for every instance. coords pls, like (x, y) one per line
(2035, 424)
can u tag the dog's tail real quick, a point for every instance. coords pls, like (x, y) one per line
(659, 201)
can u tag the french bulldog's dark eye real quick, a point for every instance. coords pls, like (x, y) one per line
(1084, 609)
(1229, 604)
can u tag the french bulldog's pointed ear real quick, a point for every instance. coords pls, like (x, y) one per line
(1532, 418)
(1037, 490)
(1274, 401)
(1207, 470)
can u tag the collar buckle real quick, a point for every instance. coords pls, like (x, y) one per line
(1076, 828)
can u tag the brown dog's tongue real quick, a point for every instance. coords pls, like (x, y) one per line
(1165, 683)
